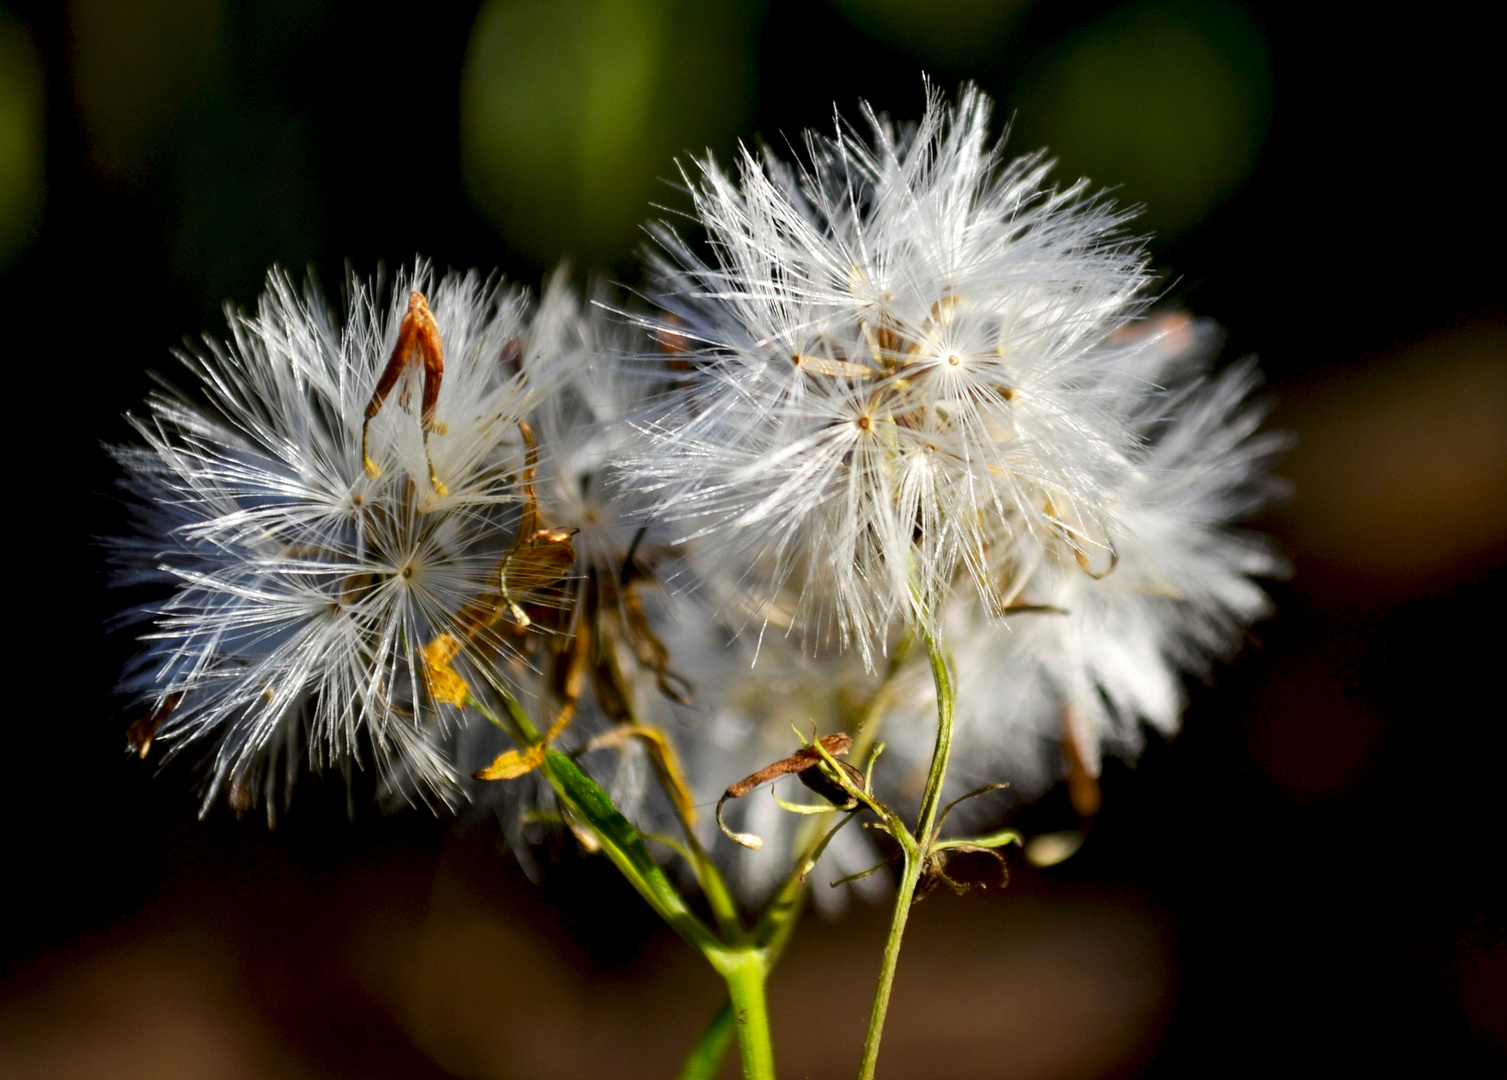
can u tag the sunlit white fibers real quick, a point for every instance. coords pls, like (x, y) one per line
(301, 587)
(896, 350)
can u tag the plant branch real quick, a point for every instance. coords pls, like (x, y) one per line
(916, 851)
(704, 1062)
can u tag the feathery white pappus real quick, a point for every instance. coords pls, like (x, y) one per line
(897, 350)
(302, 586)
(1074, 680)
(598, 654)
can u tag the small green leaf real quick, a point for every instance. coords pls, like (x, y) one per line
(706, 1058)
(880, 865)
(990, 840)
(627, 850)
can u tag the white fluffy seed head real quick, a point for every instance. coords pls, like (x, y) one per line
(585, 428)
(907, 394)
(582, 422)
(1099, 654)
(898, 350)
(301, 587)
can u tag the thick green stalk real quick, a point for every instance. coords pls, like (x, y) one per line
(770, 936)
(915, 856)
(745, 971)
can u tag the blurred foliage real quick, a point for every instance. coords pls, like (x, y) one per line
(197, 106)
(1167, 101)
(246, 128)
(947, 33)
(573, 110)
(137, 69)
(246, 197)
(20, 141)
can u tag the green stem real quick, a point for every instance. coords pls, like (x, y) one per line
(866, 732)
(745, 971)
(718, 896)
(915, 858)
(907, 895)
(704, 1062)
(620, 842)
(931, 800)
(743, 966)
(771, 934)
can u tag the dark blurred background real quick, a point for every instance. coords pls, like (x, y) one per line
(1301, 881)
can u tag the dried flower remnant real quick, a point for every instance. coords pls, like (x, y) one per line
(417, 333)
(806, 764)
(301, 586)
(591, 658)
(537, 559)
(741, 721)
(143, 730)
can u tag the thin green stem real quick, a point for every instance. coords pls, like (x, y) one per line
(743, 966)
(718, 896)
(865, 733)
(620, 842)
(931, 799)
(519, 726)
(704, 1062)
(915, 857)
(903, 900)
(778, 920)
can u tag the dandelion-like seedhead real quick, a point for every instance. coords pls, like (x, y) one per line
(898, 353)
(922, 393)
(1091, 657)
(589, 664)
(586, 432)
(906, 401)
(905, 407)
(305, 581)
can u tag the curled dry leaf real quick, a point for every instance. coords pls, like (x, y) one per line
(804, 764)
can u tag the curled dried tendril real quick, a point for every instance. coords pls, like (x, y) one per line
(804, 763)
